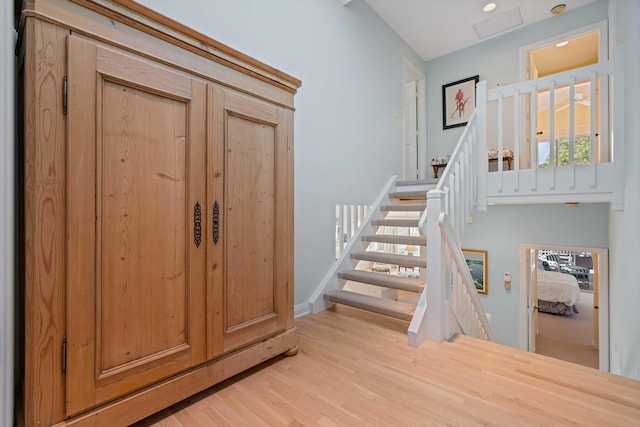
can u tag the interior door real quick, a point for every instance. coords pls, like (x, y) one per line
(135, 258)
(410, 114)
(250, 197)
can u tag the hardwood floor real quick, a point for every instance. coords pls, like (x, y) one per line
(355, 369)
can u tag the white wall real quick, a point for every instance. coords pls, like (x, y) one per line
(6, 213)
(625, 226)
(500, 231)
(348, 130)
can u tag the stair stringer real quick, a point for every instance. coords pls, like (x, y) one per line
(330, 282)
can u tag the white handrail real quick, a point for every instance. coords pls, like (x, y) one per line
(330, 280)
(479, 320)
(461, 188)
(579, 74)
(453, 160)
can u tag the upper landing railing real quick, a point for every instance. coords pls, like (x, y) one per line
(569, 140)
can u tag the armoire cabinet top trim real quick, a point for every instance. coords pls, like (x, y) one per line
(67, 14)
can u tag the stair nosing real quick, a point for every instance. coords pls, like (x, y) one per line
(400, 283)
(408, 207)
(395, 239)
(395, 259)
(400, 222)
(408, 194)
(382, 306)
(428, 181)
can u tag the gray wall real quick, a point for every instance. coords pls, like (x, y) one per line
(625, 226)
(348, 129)
(500, 231)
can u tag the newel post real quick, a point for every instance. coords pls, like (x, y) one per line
(437, 316)
(619, 140)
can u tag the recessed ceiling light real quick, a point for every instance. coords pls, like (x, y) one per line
(489, 7)
(558, 9)
(564, 43)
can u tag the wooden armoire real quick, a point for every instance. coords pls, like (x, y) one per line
(157, 212)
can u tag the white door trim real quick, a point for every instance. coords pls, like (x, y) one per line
(603, 48)
(603, 295)
(411, 72)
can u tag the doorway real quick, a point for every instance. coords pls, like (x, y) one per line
(563, 132)
(564, 303)
(414, 106)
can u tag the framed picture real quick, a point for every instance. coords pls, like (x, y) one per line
(458, 102)
(477, 263)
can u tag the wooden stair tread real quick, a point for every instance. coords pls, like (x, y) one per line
(406, 207)
(408, 284)
(430, 182)
(385, 258)
(409, 195)
(387, 307)
(395, 222)
(397, 240)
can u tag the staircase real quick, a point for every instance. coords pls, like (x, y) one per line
(382, 278)
(450, 304)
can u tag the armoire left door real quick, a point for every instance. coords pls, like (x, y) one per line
(135, 247)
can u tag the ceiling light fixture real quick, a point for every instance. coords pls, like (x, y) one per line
(558, 9)
(561, 44)
(489, 7)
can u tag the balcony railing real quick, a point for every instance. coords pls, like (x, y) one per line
(561, 130)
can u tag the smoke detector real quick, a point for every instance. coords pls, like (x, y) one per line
(558, 9)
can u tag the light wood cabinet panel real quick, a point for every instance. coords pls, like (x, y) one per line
(137, 168)
(252, 163)
(158, 212)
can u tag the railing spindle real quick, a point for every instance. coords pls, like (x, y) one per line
(572, 132)
(533, 136)
(594, 155)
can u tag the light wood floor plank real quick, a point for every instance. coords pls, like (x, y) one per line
(356, 369)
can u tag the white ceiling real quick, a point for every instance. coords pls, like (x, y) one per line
(436, 27)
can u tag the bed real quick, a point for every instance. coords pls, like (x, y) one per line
(558, 293)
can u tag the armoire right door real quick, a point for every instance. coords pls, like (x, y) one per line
(250, 217)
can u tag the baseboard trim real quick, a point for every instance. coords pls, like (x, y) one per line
(301, 310)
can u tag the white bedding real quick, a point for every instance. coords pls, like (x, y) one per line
(557, 287)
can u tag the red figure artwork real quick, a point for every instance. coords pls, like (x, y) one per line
(460, 102)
